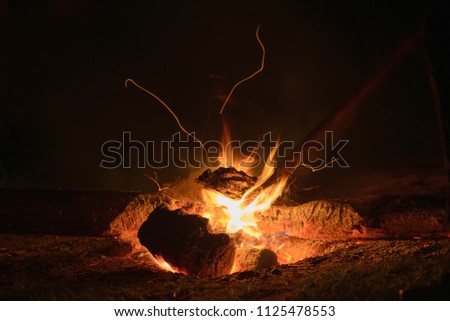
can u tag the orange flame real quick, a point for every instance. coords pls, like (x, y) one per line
(227, 158)
(230, 215)
(162, 264)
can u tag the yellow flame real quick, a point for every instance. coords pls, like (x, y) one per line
(230, 215)
(233, 215)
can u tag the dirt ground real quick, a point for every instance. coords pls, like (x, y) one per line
(49, 267)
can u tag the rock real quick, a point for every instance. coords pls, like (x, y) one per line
(254, 259)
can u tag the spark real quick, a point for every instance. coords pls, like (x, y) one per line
(156, 181)
(317, 169)
(252, 75)
(310, 188)
(166, 106)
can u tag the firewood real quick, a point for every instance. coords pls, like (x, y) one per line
(325, 220)
(228, 181)
(186, 243)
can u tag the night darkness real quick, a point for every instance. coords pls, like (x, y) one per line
(63, 65)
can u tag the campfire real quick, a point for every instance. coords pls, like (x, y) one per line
(239, 226)
(235, 219)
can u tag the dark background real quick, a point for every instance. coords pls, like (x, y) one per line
(63, 66)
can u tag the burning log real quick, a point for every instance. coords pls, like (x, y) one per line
(254, 258)
(186, 243)
(227, 181)
(324, 220)
(125, 226)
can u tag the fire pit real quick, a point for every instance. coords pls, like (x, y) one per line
(240, 229)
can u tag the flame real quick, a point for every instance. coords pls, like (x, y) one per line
(162, 264)
(227, 157)
(230, 215)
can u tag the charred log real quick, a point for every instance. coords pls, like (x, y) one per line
(185, 242)
(228, 181)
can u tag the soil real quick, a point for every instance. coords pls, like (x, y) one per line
(50, 267)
